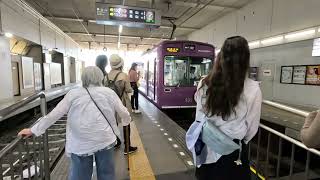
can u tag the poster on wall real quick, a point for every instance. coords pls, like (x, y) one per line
(313, 75)
(46, 74)
(27, 72)
(316, 47)
(299, 74)
(37, 76)
(286, 74)
(55, 73)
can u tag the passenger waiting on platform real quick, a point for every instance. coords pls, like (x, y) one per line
(134, 78)
(311, 130)
(122, 83)
(91, 126)
(227, 115)
(101, 63)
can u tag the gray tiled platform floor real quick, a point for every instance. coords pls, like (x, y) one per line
(62, 168)
(155, 130)
(165, 160)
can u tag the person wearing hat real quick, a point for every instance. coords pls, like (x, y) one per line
(101, 63)
(122, 82)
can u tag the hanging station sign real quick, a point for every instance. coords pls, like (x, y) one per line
(109, 14)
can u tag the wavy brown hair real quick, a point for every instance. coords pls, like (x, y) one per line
(225, 82)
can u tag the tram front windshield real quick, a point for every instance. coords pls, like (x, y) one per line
(185, 71)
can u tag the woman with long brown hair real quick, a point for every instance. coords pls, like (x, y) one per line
(229, 106)
(134, 78)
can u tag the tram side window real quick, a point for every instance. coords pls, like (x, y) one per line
(185, 71)
(175, 70)
(199, 67)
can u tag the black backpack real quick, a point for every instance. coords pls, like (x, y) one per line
(112, 85)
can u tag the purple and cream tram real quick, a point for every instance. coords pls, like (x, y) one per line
(172, 70)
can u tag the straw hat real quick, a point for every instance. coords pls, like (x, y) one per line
(115, 61)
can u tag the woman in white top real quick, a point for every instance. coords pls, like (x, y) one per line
(231, 102)
(91, 126)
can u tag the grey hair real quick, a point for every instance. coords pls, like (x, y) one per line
(91, 75)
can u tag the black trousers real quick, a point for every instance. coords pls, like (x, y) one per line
(134, 97)
(225, 168)
(125, 135)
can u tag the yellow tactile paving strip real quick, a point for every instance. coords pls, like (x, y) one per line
(140, 168)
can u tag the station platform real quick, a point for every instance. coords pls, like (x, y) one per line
(51, 94)
(162, 153)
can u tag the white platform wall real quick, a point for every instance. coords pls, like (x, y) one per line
(261, 18)
(264, 18)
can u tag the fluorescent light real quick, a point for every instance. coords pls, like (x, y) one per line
(217, 51)
(254, 44)
(300, 34)
(319, 30)
(119, 44)
(272, 40)
(120, 29)
(9, 35)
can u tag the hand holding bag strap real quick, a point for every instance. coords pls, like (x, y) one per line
(101, 112)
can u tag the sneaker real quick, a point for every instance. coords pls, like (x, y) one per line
(133, 110)
(131, 150)
(137, 111)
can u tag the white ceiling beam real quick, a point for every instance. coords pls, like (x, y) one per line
(94, 21)
(115, 43)
(115, 36)
(210, 6)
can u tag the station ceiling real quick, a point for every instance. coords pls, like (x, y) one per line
(77, 19)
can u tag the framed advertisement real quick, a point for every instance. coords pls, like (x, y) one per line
(313, 75)
(286, 74)
(299, 74)
(37, 76)
(55, 73)
(27, 72)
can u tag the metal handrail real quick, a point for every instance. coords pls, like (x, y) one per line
(296, 142)
(281, 137)
(286, 108)
(10, 109)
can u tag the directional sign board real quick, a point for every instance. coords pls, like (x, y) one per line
(109, 14)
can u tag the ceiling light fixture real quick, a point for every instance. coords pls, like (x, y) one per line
(254, 44)
(217, 51)
(272, 40)
(300, 34)
(9, 35)
(104, 38)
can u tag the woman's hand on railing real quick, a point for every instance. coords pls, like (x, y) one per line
(25, 133)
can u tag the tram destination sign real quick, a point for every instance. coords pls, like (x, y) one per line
(109, 14)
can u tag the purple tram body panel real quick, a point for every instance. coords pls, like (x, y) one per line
(172, 70)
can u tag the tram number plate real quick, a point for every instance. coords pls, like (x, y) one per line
(188, 100)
